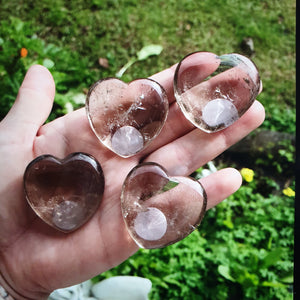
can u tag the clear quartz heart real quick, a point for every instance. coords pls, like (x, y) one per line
(64, 193)
(126, 117)
(215, 91)
(159, 210)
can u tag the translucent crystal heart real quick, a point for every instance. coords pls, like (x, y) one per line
(126, 117)
(64, 193)
(159, 210)
(215, 91)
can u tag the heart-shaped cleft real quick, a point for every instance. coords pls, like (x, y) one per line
(65, 193)
(215, 91)
(159, 210)
(126, 117)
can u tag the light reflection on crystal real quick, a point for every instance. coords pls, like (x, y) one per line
(67, 214)
(154, 210)
(127, 141)
(150, 225)
(218, 112)
(215, 91)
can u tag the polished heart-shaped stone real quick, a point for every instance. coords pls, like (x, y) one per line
(159, 210)
(65, 193)
(214, 91)
(126, 117)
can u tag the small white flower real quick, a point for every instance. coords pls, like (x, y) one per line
(76, 292)
(114, 288)
(205, 172)
(79, 98)
(122, 288)
(69, 107)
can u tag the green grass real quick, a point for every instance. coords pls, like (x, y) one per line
(244, 248)
(118, 29)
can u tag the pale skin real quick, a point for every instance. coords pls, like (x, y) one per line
(35, 259)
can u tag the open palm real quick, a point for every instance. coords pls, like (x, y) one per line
(35, 259)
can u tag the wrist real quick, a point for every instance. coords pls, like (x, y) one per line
(9, 293)
(4, 294)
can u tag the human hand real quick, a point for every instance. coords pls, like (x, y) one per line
(35, 259)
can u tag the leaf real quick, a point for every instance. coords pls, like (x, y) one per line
(158, 282)
(289, 279)
(17, 23)
(273, 284)
(228, 223)
(250, 279)
(48, 63)
(143, 54)
(149, 50)
(170, 279)
(225, 272)
(169, 185)
(120, 73)
(272, 258)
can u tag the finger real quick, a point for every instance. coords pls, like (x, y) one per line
(33, 103)
(71, 132)
(187, 153)
(165, 79)
(176, 126)
(220, 185)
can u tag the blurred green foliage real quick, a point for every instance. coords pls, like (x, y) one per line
(82, 31)
(244, 247)
(239, 252)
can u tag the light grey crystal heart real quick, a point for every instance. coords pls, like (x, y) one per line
(215, 91)
(159, 210)
(126, 117)
(64, 193)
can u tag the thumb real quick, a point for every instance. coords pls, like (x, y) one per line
(33, 104)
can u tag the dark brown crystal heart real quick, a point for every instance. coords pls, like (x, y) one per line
(64, 193)
(159, 210)
(126, 117)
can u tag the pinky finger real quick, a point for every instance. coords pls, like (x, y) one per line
(220, 185)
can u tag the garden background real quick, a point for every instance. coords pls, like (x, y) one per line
(244, 247)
